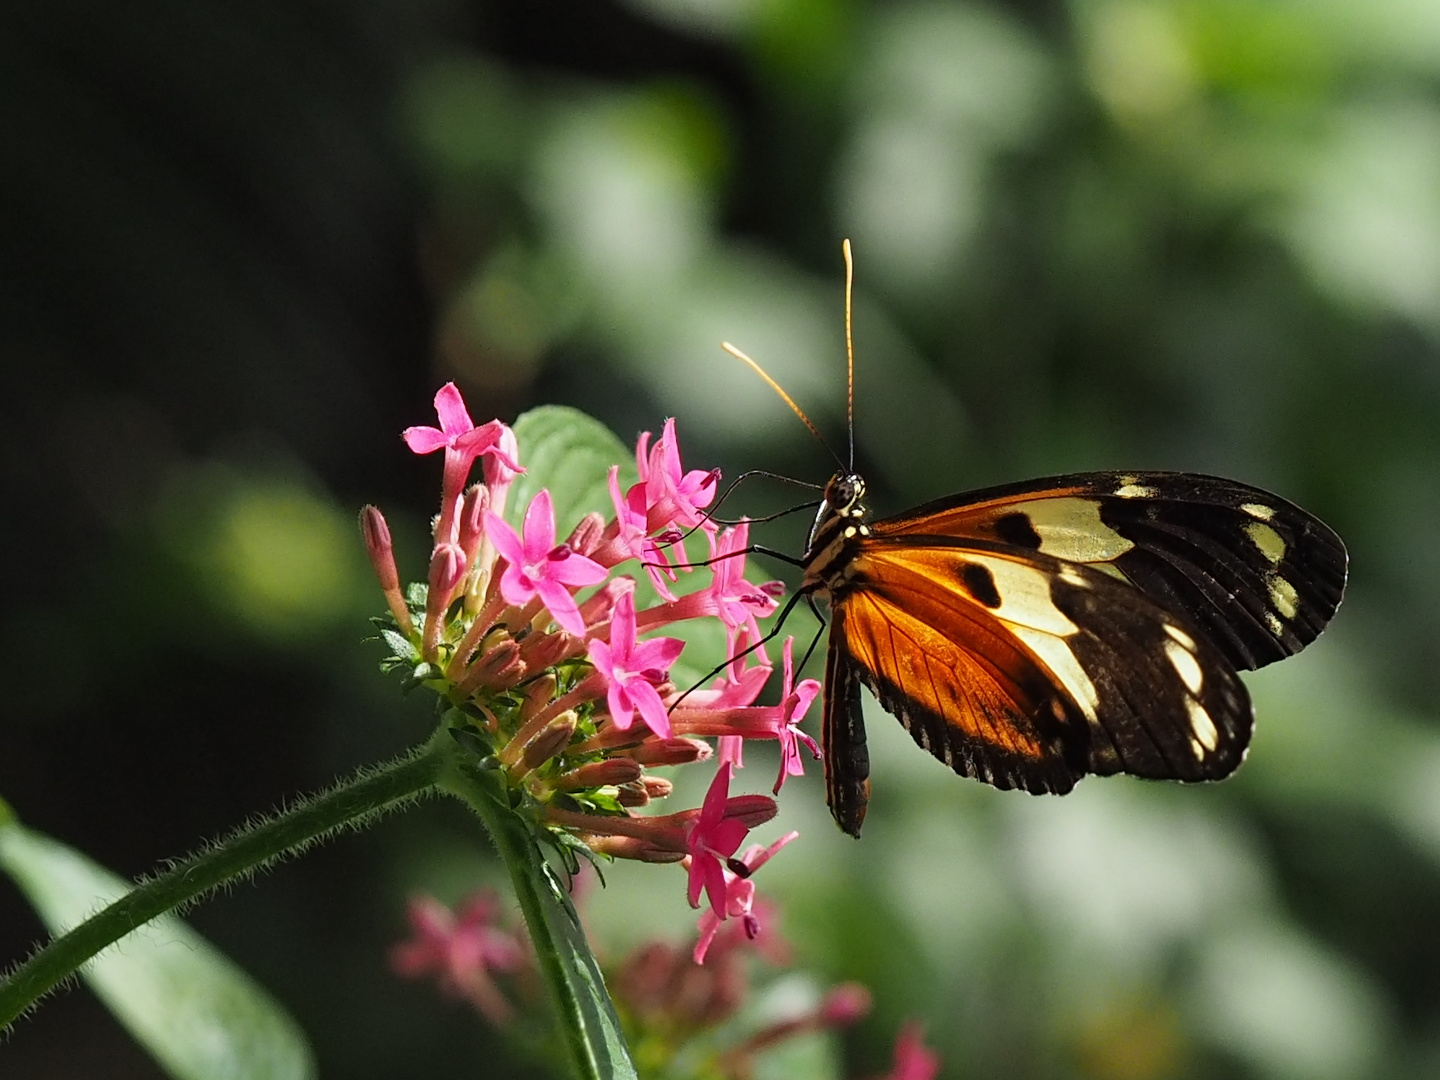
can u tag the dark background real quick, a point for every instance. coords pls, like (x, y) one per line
(242, 244)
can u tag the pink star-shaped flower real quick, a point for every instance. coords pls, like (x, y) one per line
(462, 948)
(794, 704)
(462, 442)
(633, 539)
(738, 602)
(737, 688)
(913, 1059)
(537, 566)
(712, 839)
(740, 900)
(632, 670)
(672, 496)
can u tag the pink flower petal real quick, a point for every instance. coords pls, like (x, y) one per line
(424, 440)
(539, 530)
(450, 407)
(561, 604)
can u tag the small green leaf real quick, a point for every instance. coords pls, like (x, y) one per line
(569, 453)
(199, 1015)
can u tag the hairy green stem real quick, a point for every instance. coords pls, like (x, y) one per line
(349, 804)
(589, 1027)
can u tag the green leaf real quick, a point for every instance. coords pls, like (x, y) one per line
(199, 1015)
(590, 1030)
(569, 453)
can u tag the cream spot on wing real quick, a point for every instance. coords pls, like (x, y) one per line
(1073, 577)
(1070, 528)
(1273, 623)
(1267, 540)
(1131, 488)
(1057, 657)
(1024, 596)
(1283, 596)
(1203, 726)
(1185, 665)
(1258, 510)
(1180, 636)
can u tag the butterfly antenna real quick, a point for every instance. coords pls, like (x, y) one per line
(733, 351)
(849, 351)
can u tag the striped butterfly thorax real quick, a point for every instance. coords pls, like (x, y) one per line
(1031, 634)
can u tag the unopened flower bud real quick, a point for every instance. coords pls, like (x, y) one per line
(545, 650)
(752, 810)
(472, 519)
(447, 568)
(537, 696)
(632, 847)
(586, 537)
(498, 668)
(598, 607)
(845, 1004)
(610, 772)
(632, 795)
(554, 738)
(381, 550)
(657, 787)
(677, 751)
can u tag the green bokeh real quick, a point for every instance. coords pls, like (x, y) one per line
(1199, 234)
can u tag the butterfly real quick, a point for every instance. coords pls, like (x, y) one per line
(1031, 634)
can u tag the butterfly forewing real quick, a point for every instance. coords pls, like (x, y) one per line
(1026, 672)
(1257, 575)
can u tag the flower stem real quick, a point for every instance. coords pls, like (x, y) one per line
(591, 1031)
(352, 803)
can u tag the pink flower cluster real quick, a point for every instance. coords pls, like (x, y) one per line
(544, 643)
(684, 1014)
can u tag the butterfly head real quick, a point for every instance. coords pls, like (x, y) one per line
(842, 496)
(840, 519)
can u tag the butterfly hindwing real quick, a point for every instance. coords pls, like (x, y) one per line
(1028, 672)
(847, 759)
(1257, 575)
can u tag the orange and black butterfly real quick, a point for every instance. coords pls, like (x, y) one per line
(1030, 634)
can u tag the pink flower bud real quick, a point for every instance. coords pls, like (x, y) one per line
(587, 535)
(845, 1004)
(752, 810)
(632, 795)
(657, 787)
(472, 519)
(545, 650)
(379, 546)
(552, 740)
(447, 568)
(669, 752)
(382, 557)
(611, 771)
(537, 696)
(632, 847)
(597, 609)
(499, 668)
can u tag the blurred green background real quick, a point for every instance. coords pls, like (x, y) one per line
(241, 245)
